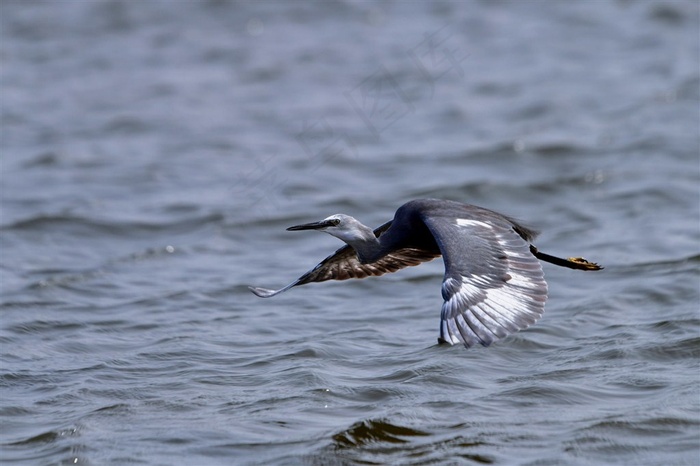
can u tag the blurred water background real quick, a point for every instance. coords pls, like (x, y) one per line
(153, 152)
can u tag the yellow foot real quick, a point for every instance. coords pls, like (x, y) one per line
(584, 264)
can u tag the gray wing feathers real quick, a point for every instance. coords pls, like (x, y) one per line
(493, 285)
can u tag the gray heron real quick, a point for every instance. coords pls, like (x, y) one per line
(493, 284)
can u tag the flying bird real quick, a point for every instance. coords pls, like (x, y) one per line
(493, 284)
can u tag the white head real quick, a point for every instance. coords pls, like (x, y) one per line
(341, 226)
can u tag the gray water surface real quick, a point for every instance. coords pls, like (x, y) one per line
(153, 153)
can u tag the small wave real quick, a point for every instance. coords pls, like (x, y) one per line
(688, 348)
(81, 225)
(44, 437)
(380, 441)
(371, 431)
(685, 263)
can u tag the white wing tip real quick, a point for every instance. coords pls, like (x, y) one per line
(262, 292)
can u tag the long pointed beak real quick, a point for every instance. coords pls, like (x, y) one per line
(310, 226)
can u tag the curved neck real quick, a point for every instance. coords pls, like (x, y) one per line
(362, 239)
(367, 249)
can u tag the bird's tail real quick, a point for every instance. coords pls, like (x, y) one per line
(578, 263)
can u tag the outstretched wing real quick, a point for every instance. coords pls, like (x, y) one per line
(343, 264)
(493, 285)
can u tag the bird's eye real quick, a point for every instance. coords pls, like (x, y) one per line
(335, 222)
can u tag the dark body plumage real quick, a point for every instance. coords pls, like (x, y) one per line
(493, 284)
